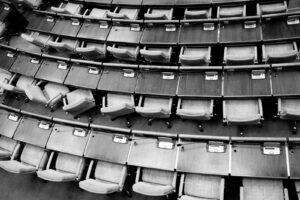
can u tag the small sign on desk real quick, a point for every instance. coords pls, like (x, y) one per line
(215, 147)
(168, 75)
(121, 139)
(10, 54)
(79, 132)
(62, 65)
(94, 70)
(128, 73)
(293, 20)
(13, 117)
(170, 27)
(250, 24)
(258, 74)
(211, 76)
(44, 125)
(208, 26)
(165, 143)
(271, 148)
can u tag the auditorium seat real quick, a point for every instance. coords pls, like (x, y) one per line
(157, 55)
(195, 109)
(201, 187)
(154, 182)
(51, 94)
(98, 13)
(231, 11)
(68, 8)
(5, 78)
(78, 101)
(34, 4)
(155, 107)
(240, 55)
(64, 45)
(197, 13)
(289, 109)
(123, 52)
(195, 55)
(37, 38)
(280, 52)
(271, 189)
(124, 13)
(242, 112)
(159, 14)
(67, 168)
(108, 178)
(297, 186)
(7, 147)
(17, 84)
(271, 8)
(32, 158)
(92, 51)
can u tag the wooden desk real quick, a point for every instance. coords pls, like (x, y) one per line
(113, 79)
(235, 32)
(61, 116)
(79, 75)
(152, 82)
(192, 2)
(145, 153)
(294, 158)
(124, 34)
(127, 2)
(65, 27)
(30, 132)
(7, 126)
(102, 147)
(158, 3)
(194, 34)
(195, 158)
(286, 82)
(39, 22)
(240, 84)
(26, 64)
(50, 71)
(91, 30)
(248, 160)
(63, 140)
(194, 84)
(159, 36)
(7, 58)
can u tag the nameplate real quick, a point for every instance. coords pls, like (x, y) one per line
(168, 75)
(258, 74)
(94, 70)
(271, 150)
(170, 27)
(250, 24)
(35, 61)
(129, 73)
(121, 139)
(62, 65)
(50, 19)
(135, 27)
(44, 125)
(293, 20)
(165, 143)
(75, 22)
(211, 76)
(13, 117)
(10, 54)
(208, 26)
(6, 8)
(216, 147)
(79, 132)
(103, 25)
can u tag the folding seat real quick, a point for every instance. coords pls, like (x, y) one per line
(117, 105)
(67, 168)
(32, 159)
(195, 109)
(289, 109)
(2, 28)
(108, 178)
(200, 187)
(240, 55)
(97, 13)
(195, 55)
(280, 52)
(155, 107)
(68, 8)
(254, 188)
(7, 147)
(231, 11)
(17, 84)
(157, 55)
(92, 51)
(34, 4)
(38, 39)
(154, 182)
(124, 13)
(78, 101)
(159, 14)
(197, 13)
(51, 94)
(271, 8)
(64, 45)
(122, 52)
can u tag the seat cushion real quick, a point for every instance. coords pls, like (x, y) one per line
(17, 167)
(33, 155)
(99, 186)
(195, 109)
(241, 108)
(67, 163)
(7, 145)
(109, 172)
(152, 189)
(187, 197)
(56, 176)
(231, 11)
(290, 109)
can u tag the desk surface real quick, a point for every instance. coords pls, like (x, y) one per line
(65, 27)
(7, 61)
(26, 65)
(79, 75)
(39, 23)
(63, 140)
(240, 84)
(29, 132)
(286, 82)
(194, 34)
(7, 126)
(248, 160)
(102, 147)
(158, 35)
(277, 29)
(158, 2)
(193, 2)
(49, 71)
(99, 2)
(145, 153)
(127, 2)
(123, 34)
(153, 83)
(202, 161)
(92, 30)
(113, 79)
(228, 1)
(294, 158)
(193, 84)
(234, 32)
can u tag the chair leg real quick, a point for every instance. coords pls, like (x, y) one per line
(241, 129)
(294, 127)
(200, 127)
(150, 121)
(127, 192)
(168, 123)
(128, 123)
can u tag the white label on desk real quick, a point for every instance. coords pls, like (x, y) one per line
(93, 70)
(79, 132)
(35, 61)
(170, 27)
(271, 150)
(62, 65)
(211, 76)
(213, 148)
(258, 74)
(103, 25)
(6, 8)
(129, 73)
(13, 117)
(50, 19)
(168, 75)
(165, 145)
(292, 20)
(75, 22)
(44, 125)
(208, 26)
(10, 54)
(249, 24)
(120, 139)
(135, 27)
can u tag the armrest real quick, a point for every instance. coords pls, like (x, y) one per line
(103, 101)
(117, 15)
(241, 193)
(224, 110)
(16, 152)
(27, 37)
(88, 174)
(80, 168)
(158, 16)
(222, 187)
(244, 10)
(279, 105)
(138, 174)
(180, 192)
(123, 178)
(50, 160)
(211, 108)
(260, 107)
(286, 194)
(52, 102)
(174, 180)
